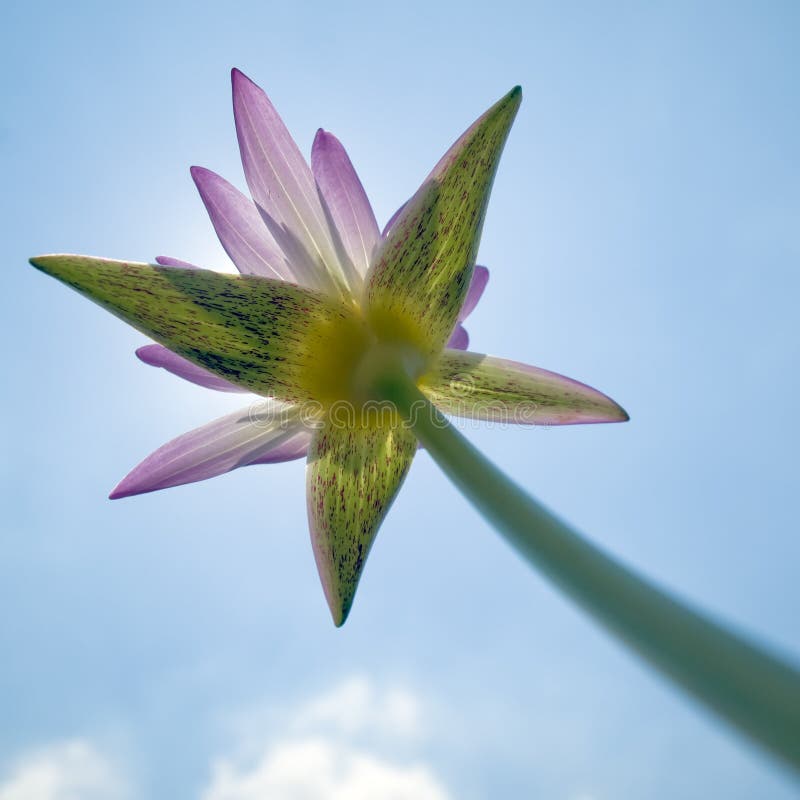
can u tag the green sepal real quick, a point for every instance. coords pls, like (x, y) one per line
(355, 469)
(419, 279)
(482, 387)
(265, 335)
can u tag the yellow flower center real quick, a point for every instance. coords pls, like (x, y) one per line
(356, 351)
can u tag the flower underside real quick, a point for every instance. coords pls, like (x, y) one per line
(324, 306)
(345, 332)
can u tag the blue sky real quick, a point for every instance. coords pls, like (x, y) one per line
(643, 236)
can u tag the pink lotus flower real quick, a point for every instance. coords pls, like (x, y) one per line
(324, 298)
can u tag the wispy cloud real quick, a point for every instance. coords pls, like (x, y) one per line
(318, 768)
(343, 745)
(357, 707)
(68, 770)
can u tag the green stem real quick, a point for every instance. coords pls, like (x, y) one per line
(750, 688)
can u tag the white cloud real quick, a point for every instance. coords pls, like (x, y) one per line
(316, 768)
(343, 745)
(70, 770)
(356, 706)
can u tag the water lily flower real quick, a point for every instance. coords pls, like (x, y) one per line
(352, 339)
(324, 304)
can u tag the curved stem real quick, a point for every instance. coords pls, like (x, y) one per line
(752, 689)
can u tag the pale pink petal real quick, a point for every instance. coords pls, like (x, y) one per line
(459, 340)
(245, 437)
(480, 277)
(168, 261)
(293, 448)
(352, 215)
(281, 183)
(158, 356)
(240, 228)
(392, 220)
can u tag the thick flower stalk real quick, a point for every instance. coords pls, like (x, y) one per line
(353, 340)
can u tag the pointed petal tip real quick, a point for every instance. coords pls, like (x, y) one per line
(202, 177)
(57, 264)
(325, 145)
(129, 486)
(169, 261)
(339, 615)
(145, 353)
(612, 411)
(338, 605)
(512, 99)
(240, 82)
(320, 140)
(242, 86)
(323, 137)
(324, 141)
(199, 173)
(119, 491)
(44, 262)
(508, 105)
(339, 600)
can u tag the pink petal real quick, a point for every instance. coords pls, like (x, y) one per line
(346, 200)
(168, 261)
(240, 228)
(293, 448)
(245, 437)
(158, 356)
(480, 277)
(459, 340)
(392, 220)
(281, 182)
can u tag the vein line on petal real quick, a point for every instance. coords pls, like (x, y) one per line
(247, 244)
(288, 195)
(280, 439)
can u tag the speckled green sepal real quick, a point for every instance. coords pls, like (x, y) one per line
(264, 335)
(354, 472)
(420, 277)
(482, 387)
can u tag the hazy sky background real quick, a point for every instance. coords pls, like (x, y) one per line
(643, 236)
